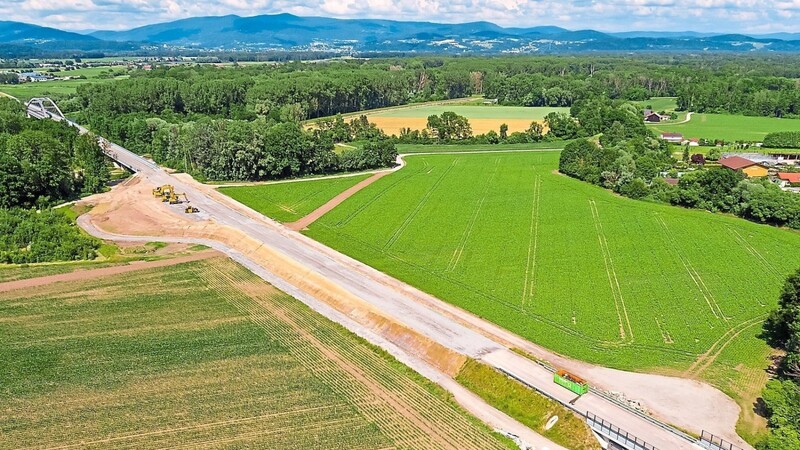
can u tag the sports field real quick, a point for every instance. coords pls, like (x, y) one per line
(595, 276)
(204, 354)
(287, 202)
(482, 118)
(729, 127)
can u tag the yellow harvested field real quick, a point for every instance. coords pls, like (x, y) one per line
(392, 125)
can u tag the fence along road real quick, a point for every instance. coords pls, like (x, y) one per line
(402, 304)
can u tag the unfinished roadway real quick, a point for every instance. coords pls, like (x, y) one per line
(418, 329)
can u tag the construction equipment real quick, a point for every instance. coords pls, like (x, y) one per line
(572, 382)
(190, 209)
(175, 198)
(163, 191)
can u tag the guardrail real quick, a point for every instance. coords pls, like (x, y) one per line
(711, 442)
(616, 434)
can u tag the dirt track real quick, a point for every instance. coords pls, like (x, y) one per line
(80, 275)
(333, 203)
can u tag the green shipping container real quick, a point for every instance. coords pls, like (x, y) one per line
(564, 379)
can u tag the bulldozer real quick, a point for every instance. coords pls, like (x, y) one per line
(190, 209)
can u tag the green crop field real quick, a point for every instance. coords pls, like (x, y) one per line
(26, 91)
(287, 202)
(473, 111)
(729, 127)
(204, 354)
(584, 272)
(459, 148)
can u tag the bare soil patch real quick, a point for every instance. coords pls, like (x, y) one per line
(81, 275)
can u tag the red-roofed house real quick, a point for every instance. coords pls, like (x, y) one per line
(789, 179)
(749, 168)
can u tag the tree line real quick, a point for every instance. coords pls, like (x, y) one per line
(43, 162)
(782, 395)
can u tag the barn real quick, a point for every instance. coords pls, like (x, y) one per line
(749, 168)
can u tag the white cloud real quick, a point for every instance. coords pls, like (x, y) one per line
(606, 15)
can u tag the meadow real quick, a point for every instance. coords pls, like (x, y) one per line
(26, 91)
(659, 103)
(461, 148)
(482, 118)
(589, 274)
(205, 354)
(287, 202)
(729, 127)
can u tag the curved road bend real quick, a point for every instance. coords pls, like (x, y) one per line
(400, 304)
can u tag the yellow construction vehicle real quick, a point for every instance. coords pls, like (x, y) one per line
(190, 209)
(161, 190)
(175, 198)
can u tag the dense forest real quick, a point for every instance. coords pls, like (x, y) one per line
(42, 163)
(757, 86)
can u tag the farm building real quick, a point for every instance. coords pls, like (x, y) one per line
(691, 142)
(33, 76)
(675, 138)
(789, 179)
(652, 116)
(749, 168)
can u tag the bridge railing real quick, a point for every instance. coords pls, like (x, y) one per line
(614, 433)
(712, 442)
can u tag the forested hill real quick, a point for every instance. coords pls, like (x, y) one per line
(289, 33)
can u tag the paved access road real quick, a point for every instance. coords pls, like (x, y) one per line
(393, 298)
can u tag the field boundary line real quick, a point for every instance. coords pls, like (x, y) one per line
(421, 204)
(312, 217)
(533, 242)
(81, 274)
(616, 291)
(693, 274)
(471, 224)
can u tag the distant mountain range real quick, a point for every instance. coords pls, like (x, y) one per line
(286, 32)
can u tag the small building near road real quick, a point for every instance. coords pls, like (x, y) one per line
(653, 117)
(749, 168)
(789, 179)
(674, 138)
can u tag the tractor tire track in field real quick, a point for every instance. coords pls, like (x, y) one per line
(421, 204)
(471, 224)
(753, 251)
(529, 286)
(705, 360)
(613, 281)
(374, 198)
(693, 274)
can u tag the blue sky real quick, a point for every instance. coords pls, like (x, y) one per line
(746, 16)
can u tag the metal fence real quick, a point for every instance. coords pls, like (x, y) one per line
(615, 434)
(711, 442)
